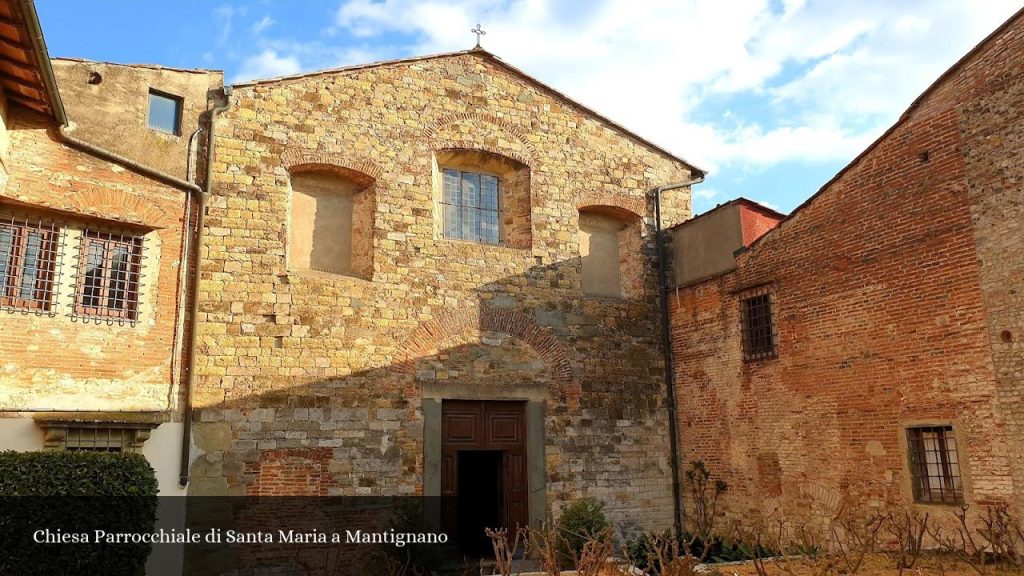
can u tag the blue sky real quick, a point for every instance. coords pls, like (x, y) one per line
(772, 97)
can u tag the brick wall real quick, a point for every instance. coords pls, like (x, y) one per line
(294, 360)
(59, 362)
(891, 290)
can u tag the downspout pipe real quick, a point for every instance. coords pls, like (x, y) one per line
(186, 419)
(64, 132)
(666, 346)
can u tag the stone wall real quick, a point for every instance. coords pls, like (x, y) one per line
(293, 361)
(991, 123)
(891, 290)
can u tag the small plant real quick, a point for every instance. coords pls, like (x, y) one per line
(661, 555)
(581, 521)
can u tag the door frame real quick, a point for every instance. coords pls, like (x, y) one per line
(536, 473)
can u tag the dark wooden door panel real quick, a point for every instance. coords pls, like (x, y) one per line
(485, 425)
(504, 430)
(462, 430)
(516, 492)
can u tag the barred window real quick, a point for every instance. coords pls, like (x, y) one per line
(758, 326)
(471, 206)
(100, 440)
(28, 264)
(935, 465)
(109, 270)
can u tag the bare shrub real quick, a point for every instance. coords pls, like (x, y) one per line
(704, 493)
(854, 536)
(1003, 534)
(545, 543)
(664, 556)
(505, 550)
(959, 541)
(594, 555)
(908, 529)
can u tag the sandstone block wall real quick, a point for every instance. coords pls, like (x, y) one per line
(333, 369)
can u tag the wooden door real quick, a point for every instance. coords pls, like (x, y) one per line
(485, 425)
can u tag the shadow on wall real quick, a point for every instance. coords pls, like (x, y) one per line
(591, 366)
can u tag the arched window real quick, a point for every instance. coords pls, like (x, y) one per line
(482, 197)
(330, 224)
(611, 258)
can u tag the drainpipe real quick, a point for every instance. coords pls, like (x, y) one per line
(666, 345)
(42, 57)
(183, 282)
(186, 419)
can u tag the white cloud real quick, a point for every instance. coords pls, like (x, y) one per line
(267, 64)
(736, 86)
(768, 205)
(828, 77)
(262, 24)
(704, 193)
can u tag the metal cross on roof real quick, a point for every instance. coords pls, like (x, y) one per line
(479, 32)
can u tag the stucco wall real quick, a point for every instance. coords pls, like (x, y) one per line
(705, 246)
(113, 112)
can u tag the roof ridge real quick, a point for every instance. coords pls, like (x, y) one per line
(497, 59)
(137, 65)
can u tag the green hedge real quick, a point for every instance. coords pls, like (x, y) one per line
(74, 493)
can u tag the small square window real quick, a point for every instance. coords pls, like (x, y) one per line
(109, 270)
(758, 326)
(935, 465)
(164, 112)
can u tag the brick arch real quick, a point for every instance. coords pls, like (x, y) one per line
(426, 340)
(360, 170)
(618, 205)
(120, 206)
(434, 134)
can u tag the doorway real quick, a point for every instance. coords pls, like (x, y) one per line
(483, 471)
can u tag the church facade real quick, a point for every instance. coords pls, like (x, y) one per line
(423, 273)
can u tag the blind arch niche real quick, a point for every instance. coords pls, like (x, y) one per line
(330, 221)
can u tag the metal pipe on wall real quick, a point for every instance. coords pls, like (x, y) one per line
(666, 344)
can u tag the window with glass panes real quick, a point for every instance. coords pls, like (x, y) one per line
(108, 275)
(164, 112)
(471, 206)
(28, 261)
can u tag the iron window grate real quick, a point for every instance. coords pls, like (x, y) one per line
(471, 206)
(100, 439)
(31, 251)
(935, 465)
(758, 325)
(110, 272)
